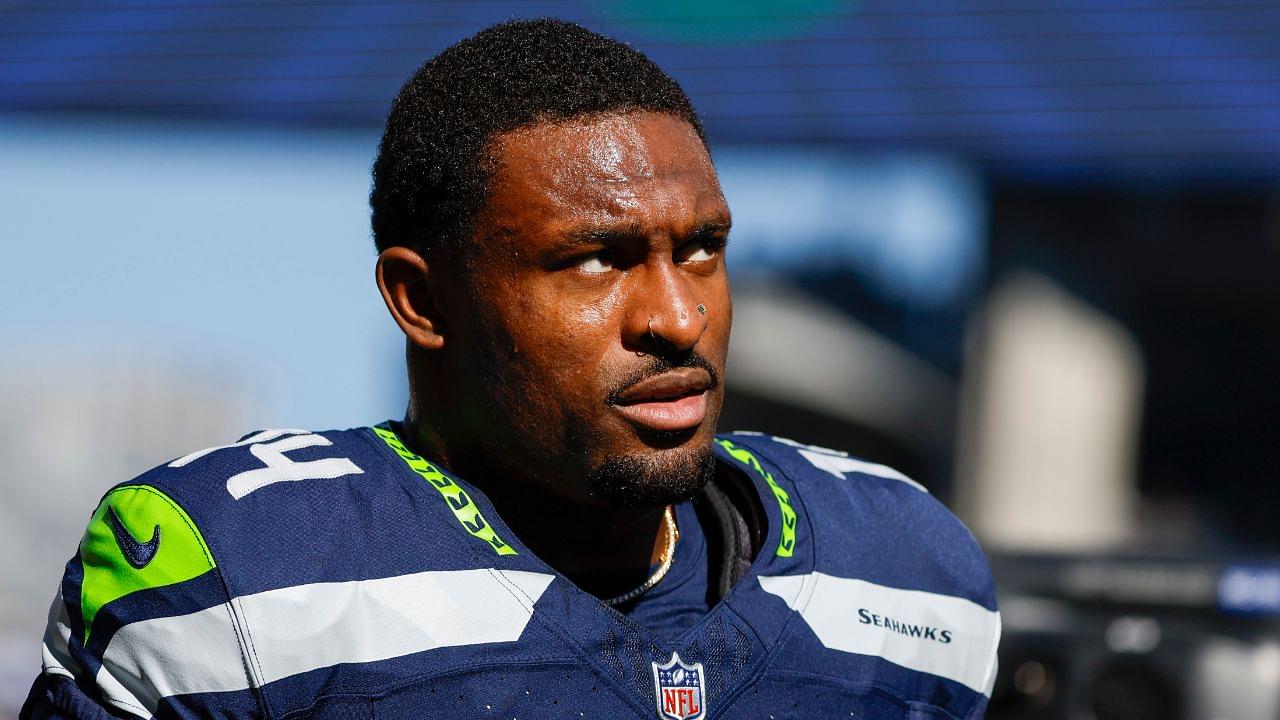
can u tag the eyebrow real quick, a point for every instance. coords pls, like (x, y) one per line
(718, 225)
(606, 235)
(634, 231)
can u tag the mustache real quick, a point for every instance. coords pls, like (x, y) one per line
(659, 364)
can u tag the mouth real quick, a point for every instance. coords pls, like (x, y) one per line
(673, 401)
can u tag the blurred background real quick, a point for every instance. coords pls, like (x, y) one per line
(1028, 252)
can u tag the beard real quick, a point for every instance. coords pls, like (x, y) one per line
(567, 451)
(652, 480)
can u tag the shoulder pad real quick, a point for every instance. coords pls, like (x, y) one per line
(799, 459)
(873, 522)
(157, 530)
(137, 539)
(158, 561)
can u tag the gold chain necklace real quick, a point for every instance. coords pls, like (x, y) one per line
(668, 558)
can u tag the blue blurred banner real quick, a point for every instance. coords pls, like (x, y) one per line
(1036, 87)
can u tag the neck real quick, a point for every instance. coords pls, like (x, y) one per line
(604, 551)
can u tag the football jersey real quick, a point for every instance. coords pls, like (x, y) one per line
(297, 574)
(680, 600)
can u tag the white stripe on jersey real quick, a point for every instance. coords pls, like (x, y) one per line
(928, 632)
(151, 659)
(55, 651)
(307, 627)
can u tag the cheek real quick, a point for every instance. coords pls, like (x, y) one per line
(565, 337)
(715, 341)
(726, 321)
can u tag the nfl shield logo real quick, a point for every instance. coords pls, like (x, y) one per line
(680, 691)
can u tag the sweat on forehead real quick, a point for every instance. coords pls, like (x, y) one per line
(645, 169)
(625, 147)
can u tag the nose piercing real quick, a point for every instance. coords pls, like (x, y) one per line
(702, 309)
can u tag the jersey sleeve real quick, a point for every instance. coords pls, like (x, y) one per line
(141, 625)
(53, 697)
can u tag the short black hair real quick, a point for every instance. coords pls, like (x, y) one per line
(430, 176)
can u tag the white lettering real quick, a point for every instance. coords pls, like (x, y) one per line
(281, 469)
(838, 465)
(257, 437)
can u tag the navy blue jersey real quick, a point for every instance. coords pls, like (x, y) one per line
(678, 602)
(337, 574)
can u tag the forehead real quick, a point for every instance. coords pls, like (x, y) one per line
(641, 166)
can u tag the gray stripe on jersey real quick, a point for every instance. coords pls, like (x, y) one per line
(303, 628)
(306, 627)
(927, 632)
(56, 651)
(155, 658)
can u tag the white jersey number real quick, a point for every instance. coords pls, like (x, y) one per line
(838, 463)
(270, 447)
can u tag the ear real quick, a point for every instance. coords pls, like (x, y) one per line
(404, 279)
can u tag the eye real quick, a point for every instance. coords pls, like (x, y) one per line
(699, 252)
(596, 264)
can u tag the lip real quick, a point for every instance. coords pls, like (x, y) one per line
(675, 400)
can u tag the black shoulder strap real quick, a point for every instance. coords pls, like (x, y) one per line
(734, 522)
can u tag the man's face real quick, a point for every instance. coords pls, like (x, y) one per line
(585, 354)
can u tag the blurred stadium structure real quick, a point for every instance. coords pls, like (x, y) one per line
(1028, 252)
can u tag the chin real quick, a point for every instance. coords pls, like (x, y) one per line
(652, 479)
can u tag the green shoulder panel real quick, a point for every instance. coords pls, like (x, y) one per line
(138, 539)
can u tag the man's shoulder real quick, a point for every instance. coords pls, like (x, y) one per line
(257, 460)
(232, 491)
(814, 464)
(284, 552)
(828, 478)
(868, 520)
(880, 569)
(283, 507)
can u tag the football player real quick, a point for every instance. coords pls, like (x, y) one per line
(554, 529)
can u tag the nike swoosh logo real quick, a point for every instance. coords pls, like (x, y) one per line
(139, 554)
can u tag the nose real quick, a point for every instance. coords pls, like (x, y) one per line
(665, 315)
